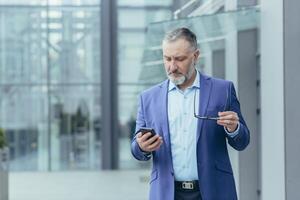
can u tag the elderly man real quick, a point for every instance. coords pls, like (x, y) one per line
(183, 124)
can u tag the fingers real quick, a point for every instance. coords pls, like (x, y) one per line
(148, 143)
(150, 140)
(155, 145)
(229, 120)
(228, 116)
(144, 137)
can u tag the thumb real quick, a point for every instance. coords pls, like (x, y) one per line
(139, 135)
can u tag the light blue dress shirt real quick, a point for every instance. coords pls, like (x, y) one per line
(183, 129)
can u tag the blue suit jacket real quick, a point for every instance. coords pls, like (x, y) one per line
(214, 169)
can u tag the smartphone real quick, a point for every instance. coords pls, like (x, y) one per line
(146, 130)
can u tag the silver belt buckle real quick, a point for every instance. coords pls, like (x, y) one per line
(188, 185)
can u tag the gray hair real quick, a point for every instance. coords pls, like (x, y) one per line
(181, 33)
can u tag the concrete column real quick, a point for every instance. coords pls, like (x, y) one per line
(248, 95)
(280, 47)
(109, 85)
(291, 73)
(272, 101)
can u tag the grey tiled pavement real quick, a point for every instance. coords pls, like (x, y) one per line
(89, 185)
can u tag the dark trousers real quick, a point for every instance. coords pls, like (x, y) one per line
(187, 195)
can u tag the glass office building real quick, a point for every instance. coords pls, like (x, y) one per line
(71, 71)
(51, 75)
(50, 79)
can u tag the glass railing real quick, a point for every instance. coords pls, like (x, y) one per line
(211, 31)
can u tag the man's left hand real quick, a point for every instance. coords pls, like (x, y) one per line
(229, 120)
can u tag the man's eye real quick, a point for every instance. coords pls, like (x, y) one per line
(180, 59)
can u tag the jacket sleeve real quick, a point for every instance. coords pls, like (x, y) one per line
(140, 122)
(242, 139)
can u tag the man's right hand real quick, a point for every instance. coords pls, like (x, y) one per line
(148, 143)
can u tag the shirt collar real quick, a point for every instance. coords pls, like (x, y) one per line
(196, 83)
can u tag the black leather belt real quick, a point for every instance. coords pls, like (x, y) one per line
(187, 185)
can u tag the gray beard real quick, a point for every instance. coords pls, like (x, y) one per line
(177, 81)
(180, 80)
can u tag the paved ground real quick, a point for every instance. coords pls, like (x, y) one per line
(103, 185)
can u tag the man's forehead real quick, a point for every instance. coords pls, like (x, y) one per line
(176, 48)
(179, 42)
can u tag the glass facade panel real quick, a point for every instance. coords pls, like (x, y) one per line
(50, 83)
(141, 17)
(145, 2)
(75, 127)
(24, 117)
(22, 2)
(211, 31)
(131, 41)
(74, 44)
(23, 45)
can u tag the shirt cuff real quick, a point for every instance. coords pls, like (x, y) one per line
(233, 134)
(147, 154)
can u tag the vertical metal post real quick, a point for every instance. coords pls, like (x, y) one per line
(48, 90)
(291, 60)
(109, 88)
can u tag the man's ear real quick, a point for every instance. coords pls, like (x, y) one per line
(197, 55)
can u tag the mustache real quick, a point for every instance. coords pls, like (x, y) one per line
(175, 72)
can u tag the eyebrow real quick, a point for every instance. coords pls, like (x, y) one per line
(180, 56)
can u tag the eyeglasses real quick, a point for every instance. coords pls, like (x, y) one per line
(226, 107)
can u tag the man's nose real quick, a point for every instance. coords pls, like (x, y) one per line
(173, 66)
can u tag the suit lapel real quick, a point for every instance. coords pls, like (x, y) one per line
(162, 105)
(163, 112)
(205, 90)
